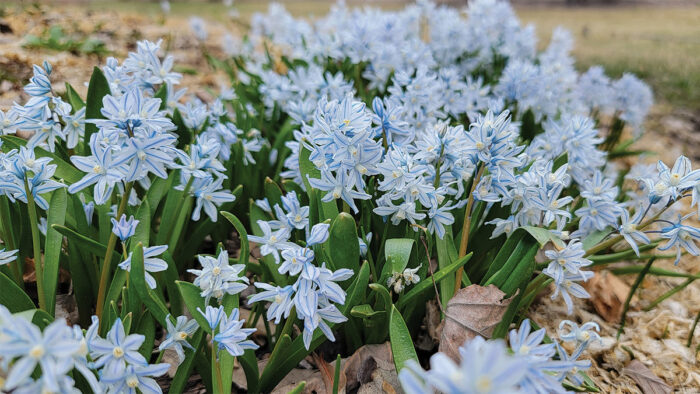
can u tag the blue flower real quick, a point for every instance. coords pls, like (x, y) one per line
(150, 263)
(318, 234)
(217, 277)
(100, 171)
(681, 236)
(124, 229)
(113, 353)
(232, 336)
(178, 334)
(136, 377)
(213, 315)
(280, 299)
(7, 256)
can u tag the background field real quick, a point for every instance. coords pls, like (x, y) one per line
(659, 43)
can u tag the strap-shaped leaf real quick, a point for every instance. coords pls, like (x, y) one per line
(401, 343)
(97, 89)
(193, 300)
(52, 248)
(343, 244)
(413, 295)
(74, 98)
(397, 252)
(13, 297)
(242, 234)
(137, 277)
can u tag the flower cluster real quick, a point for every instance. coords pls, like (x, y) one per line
(527, 365)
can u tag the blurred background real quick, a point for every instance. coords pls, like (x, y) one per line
(659, 40)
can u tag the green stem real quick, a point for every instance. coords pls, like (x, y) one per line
(668, 294)
(465, 228)
(183, 211)
(636, 284)
(107, 263)
(612, 241)
(692, 330)
(38, 264)
(216, 372)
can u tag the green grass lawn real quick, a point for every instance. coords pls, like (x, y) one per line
(660, 44)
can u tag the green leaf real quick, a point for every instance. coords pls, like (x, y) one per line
(595, 238)
(410, 297)
(142, 233)
(74, 98)
(52, 248)
(194, 301)
(444, 257)
(365, 311)
(97, 89)
(401, 343)
(242, 234)
(344, 246)
(147, 328)
(13, 297)
(162, 94)
(138, 279)
(273, 192)
(299, 389)
(397, 252)
(543, 236)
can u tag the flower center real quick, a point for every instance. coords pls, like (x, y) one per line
(182, 335)
(484, 384)
(132, 381)
(216, 270)
(37, 351)
(118, 352)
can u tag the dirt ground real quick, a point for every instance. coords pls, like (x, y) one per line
(656, 338)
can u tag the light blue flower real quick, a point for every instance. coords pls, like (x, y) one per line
(213, 315)
(217, 277)
(136, 377)
(318, 234)
(113, 353)
(232, 336)
(177, 335)
(280, 299)
(8, 256)
(124, 229)
(150, 263)
(681, 236)
(271, 242)
(100, 171)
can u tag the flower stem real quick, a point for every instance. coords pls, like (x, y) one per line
(636, 284)
(38, 264)
(465, 228)
(106, 264)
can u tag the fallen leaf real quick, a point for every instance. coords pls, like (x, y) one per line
(359, 367)
(474, 310)
(608, 295)
(328, 374)
(645, 379)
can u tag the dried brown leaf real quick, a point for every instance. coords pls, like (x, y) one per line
(474, 310)
(359, 367)
(645, 379)
(608, 295)
(328, 374)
